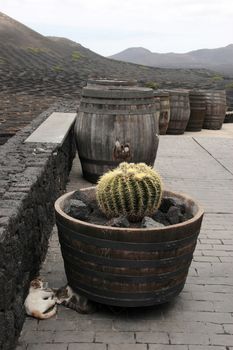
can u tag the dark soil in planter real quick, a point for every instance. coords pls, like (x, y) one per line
(83, 206)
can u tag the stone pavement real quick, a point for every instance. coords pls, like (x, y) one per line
(201, 317)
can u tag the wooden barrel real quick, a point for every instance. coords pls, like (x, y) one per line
(229, 98)
(197, 110)
(215, 109)
(115, 124)
(179, 111)
(127, 267)
(164, 115)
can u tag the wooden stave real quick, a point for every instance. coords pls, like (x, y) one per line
(215, 109)
(197, 110)
(179, 112)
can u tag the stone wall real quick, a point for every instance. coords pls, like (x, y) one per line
(32, 176)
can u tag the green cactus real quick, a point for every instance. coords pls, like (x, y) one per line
(132, 190)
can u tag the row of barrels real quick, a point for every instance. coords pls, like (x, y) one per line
(118, 121)
(181, 110)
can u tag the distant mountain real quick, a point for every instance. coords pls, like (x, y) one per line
(29, 60)
(220, 59)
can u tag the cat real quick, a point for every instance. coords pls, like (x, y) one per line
(40, 300)
(69, 298)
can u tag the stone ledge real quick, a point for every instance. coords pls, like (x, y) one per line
(54, 129)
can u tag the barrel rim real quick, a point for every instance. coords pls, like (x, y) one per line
(109, 82)
(182, 196)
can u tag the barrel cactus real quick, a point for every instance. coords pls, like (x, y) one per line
(132, 190)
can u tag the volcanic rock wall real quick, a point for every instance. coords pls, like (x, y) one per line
(32, 175)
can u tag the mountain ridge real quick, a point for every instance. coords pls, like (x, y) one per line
(218, 59)
(28, 56)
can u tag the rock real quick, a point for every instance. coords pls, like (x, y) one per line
(79, 210)
(174, 215)
(186, 216)
(121, 221)
(166, 203)
(98, 218)
(161, 217)
(148, 222)
(85, 198)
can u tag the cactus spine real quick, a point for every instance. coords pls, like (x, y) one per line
(132, 190)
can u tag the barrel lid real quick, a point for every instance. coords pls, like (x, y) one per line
(112, 82)
(116, 91)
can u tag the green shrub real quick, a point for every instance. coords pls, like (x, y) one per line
(152, 84)
(76, 55)
(217, 77)
(58, 68)
(35, 50)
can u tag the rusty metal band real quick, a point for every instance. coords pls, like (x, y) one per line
(104, 243)
(77, 270)
(127, 299)
(130, 263)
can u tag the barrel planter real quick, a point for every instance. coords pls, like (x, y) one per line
(127, 267)
(180, 111)
(115, 124)
(215, 109)
(164, 116)
(197, 110)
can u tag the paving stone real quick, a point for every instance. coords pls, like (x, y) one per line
(58, 325)
(50, 346)
(131, 325)
(189, 338)
(152, 337)
(95, 325)
(218, 339)
(206, 347)
(168, 347)
(228, 328)
(127, 347)
(92, 346)
(199, 316)
(31, 324)
(73, 337)
(37, 336)
(115, 337)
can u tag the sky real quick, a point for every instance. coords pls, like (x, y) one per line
(110, 26)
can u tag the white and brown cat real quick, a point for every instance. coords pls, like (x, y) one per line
(40, 302)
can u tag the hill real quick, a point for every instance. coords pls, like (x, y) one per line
(219, 59)
(36, 70)
(29, 60)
